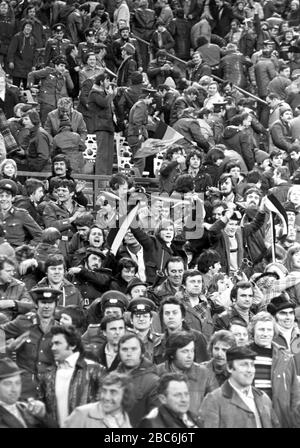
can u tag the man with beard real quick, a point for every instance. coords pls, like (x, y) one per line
(160, 69)
(119, 43)
(219, 343)
(233, 242)
(281, 131)
(62, 213)
(90, 278)
(79, 241)
(226, 188)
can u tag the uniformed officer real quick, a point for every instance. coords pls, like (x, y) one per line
(56, 45)
(141, 310)
(32, 338)
(56, 83)
(18, 226)
(109, 304)
(90, 46)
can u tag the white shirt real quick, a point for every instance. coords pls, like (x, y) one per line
(139, 259)
(287, 334)
(247, 396)
(64, 374)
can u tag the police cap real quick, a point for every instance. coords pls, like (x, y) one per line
(50, 294)
(9, 185)
(58, 27)
(114, 299)
(89, 32)
(141, 305)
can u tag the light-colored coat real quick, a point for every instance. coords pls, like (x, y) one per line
(91, 416)
(223, 408)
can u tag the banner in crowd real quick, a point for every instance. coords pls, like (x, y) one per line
(163, 139)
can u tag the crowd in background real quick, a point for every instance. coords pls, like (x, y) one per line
(185, 315)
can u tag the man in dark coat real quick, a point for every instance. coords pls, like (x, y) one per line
(118, 44)
(222, 14)
(90, 278)
(174, 411)
(143, 26)
(160, 69)
(127, 66)
(32, 339)
(100, 106)
(21, 56)
(15, 413)
(143, 375)
(84, 385)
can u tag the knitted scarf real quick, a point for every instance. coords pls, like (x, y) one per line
(9, 141)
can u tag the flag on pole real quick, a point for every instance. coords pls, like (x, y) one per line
(273, 205)
(163, 139)
(123, 229)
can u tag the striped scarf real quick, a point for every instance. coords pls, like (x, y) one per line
(9, 141)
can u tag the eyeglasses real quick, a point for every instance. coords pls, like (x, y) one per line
(247, 262)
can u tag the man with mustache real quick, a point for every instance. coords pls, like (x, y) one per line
(219, 343)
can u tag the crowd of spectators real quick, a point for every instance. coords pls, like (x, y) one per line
(177, 308)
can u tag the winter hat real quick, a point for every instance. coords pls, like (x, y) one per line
(279, 303)
(34, 117)
(136, 78)
(284, 108)
(260, 156)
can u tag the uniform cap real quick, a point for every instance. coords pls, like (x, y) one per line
(240, 353)
(114, 299)
(89, 33)
(45, 294)
(129, 48)
(9, 185)
(141, 305)
(58, 27)
(8, 368)
(59, 60)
